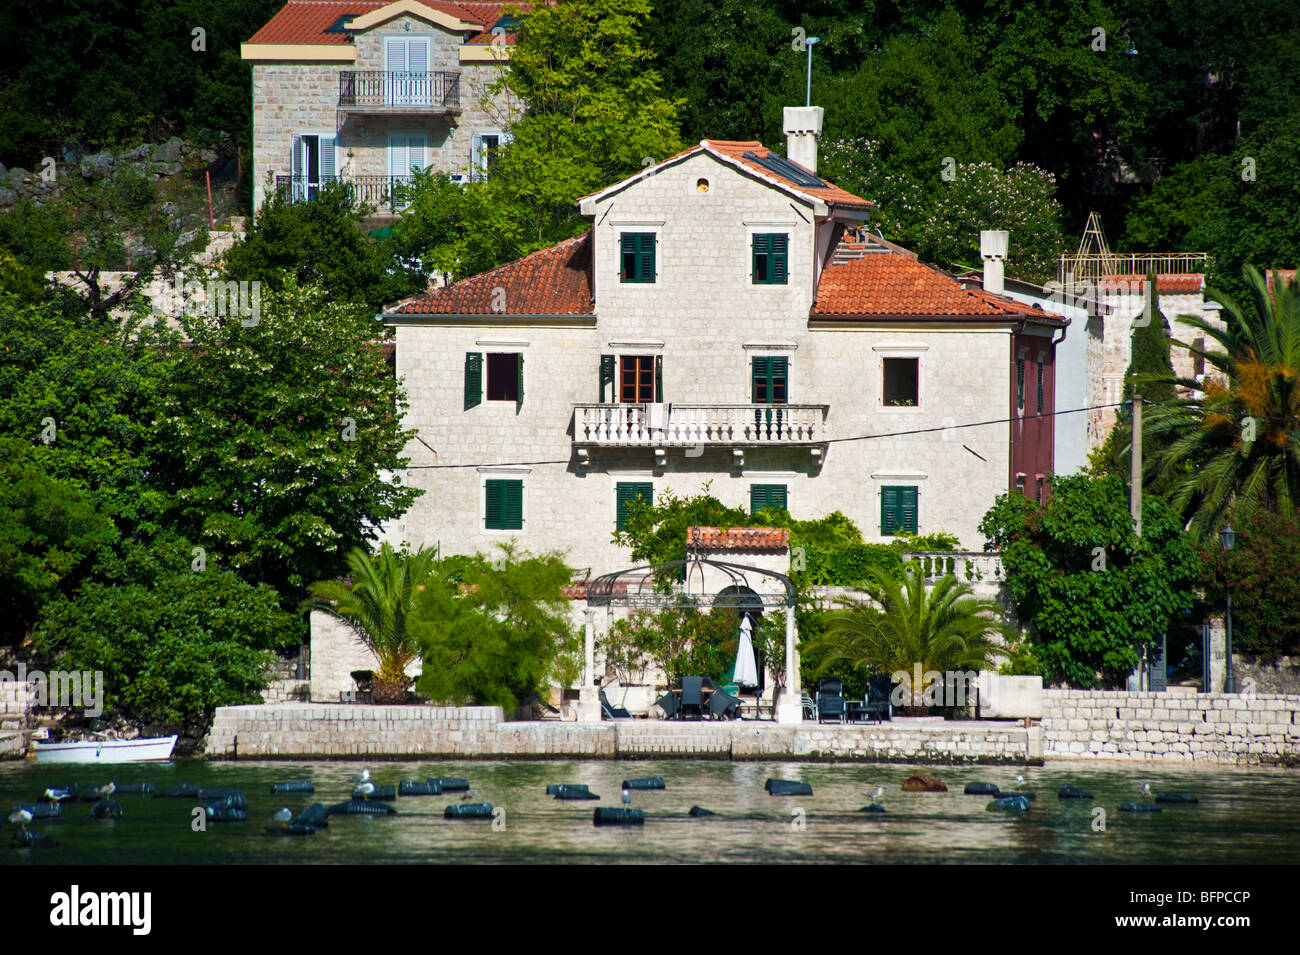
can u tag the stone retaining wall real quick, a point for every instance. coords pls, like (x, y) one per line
(1197, 727)
(16, 703)
(310, 730)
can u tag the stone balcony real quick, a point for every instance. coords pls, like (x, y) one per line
(378, 92)
(680, 425)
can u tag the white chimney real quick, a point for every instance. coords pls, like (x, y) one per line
(993, 250)
(803, 126)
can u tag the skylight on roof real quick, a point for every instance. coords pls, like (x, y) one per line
(786, 170)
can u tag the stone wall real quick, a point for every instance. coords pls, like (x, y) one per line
(315, 730)
(16, 703)
(1282, 676)
(1186, 727)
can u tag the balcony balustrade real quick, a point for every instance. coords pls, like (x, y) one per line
(690, 425)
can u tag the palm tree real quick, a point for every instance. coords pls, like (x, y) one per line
(1235, 447)
(376, 606)
(945, 630)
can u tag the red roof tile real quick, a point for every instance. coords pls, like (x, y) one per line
(895, 285)
(552, 281)
(737, 538)
(321, 21)
(1169, 283)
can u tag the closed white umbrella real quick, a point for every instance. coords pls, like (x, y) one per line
(745, 672)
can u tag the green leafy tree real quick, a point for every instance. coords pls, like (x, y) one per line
(318, 242)
(496, 633)
(275, 439)
(1261, 572)
(902, 625)
(172, 649)
(1235, 447)
(377, 605)
(1094, 592)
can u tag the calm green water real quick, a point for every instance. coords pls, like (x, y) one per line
(1242, 817)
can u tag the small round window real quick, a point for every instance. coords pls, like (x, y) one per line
(701, 185)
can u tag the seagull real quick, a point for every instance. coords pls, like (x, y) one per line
(364, 790)
(875, 796)
(284, 816)
(1146, 791)
(56, 795)
(361, 777)
(627, 797)
(22, 817)
(469, 795)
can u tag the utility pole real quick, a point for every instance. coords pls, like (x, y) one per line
(1135, 467)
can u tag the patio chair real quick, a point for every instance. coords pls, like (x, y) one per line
(611, 712)
(880, 689)
(722, 705)
(830, 700)
(693, 695)
(809, 705)
(668, 703)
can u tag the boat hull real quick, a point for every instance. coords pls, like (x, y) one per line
(107, 751)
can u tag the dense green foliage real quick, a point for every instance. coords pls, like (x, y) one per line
(1093, 592)
(1261, 570)
(318, 242)
(496, 633)
(1235, 448)
(677, 641)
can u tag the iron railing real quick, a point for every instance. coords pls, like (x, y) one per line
(399, 91)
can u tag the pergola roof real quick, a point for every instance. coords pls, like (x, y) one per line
(684, 579)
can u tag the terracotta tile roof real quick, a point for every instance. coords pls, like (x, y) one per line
(734, 153)
(737, 538)
(552, 281)
(321, 21)
(1169, 283)
(889, 284)
(1272, 275)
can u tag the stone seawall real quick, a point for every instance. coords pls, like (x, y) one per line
(1200, 727)
(309, 730)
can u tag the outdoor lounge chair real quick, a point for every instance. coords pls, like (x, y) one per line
(693, 694)
(830, 700)
(722, 705)
(880, 690)
(611, 712)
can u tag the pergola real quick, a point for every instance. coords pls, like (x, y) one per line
(687, 583)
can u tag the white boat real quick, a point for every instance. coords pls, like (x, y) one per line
(154, 750)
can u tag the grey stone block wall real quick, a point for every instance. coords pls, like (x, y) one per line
(1204, 727)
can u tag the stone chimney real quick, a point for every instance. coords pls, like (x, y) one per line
(993, 250)
(803, 127)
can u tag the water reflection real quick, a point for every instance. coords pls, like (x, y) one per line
(1242, 817)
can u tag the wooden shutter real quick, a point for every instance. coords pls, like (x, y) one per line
(889, 510)
(777, 269)
(1020, 383)
(767, 495)
(1040, 387)
(907, 506)
(417, 65)
(473, 378)
(659, 377)
(762, 249)
(608, 363)
(626, 493)
(760, 380)
(494, 512)
(646, 257)
(513, 505)
(327, 163)
(519, 378)
(771, 376)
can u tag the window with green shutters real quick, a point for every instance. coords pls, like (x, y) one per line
(505, 505)
(629, 491)
(767, 495)
(1020, 384)
(771, 257)
(771, 377)
(636, 256)
(897, 510)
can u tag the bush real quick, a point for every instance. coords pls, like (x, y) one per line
(1261, 570)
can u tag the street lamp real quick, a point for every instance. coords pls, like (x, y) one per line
(810, 42)
(1227, 537)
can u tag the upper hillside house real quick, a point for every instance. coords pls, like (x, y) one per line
(365, 92)
(725, 321)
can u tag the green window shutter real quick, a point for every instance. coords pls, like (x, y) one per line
(889, 510)
(907, 504)
(1020, 383)
(505, 506)
(473, 379)
(760, 381)
(646, 258)
(636, 256)
(767, 495)
(659, 377)
(780, 374)
(607, 365)
(780, 254)
(761, 263)
(626, 493)
(769, 260)
(519, 377)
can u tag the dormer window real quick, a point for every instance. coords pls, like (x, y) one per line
(770, 258)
